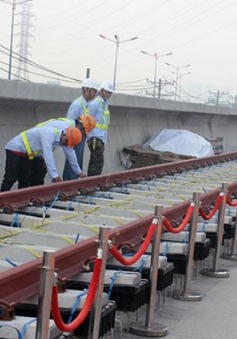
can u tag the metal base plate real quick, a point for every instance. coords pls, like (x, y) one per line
(230, 257)
(215, 274)
(179, 295)
(156, 330)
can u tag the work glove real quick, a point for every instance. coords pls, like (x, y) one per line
(57, 179)
(82, 175)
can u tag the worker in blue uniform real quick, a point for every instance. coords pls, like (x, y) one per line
(78, 108)
(97, 138)
(85, 124)
(35, 142)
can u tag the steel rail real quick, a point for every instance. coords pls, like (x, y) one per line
(9, 201)
(20, 283)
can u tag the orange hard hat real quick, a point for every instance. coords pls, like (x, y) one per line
(88, 122)
(74, 136)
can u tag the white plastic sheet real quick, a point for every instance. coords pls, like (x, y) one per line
(180, 142)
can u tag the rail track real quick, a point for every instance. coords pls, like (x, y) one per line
(66, 216)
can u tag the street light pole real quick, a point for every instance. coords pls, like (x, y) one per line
(180, 82)
(13, 3)
(116, 58)
(155, 73)
(177, 67)
(117, 43)
(11, 40)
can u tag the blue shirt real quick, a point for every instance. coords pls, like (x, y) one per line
(41, 139)
(75, 109)
(96, 110)
(69, 152)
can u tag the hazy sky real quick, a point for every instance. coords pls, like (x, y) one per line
(66, 39)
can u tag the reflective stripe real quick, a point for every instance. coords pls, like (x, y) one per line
(29, 152)
(84, 108)
(105, 113)
(42, 124)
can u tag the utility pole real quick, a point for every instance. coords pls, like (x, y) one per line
(87, 72)
(156, 57)
(177, 75)
(217, 96)
(159, 88)
(160, 84)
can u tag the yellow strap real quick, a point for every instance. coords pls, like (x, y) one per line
(92, 228)
(85, 109)
(9, 234)
(105, 112)
(119, 221)
(31, 154)
(73, 215)
(181, 197)
(66, 239)
(31, 251)
(42, 224)
(149, 194)
(171, 202)
(97, 208)
(136, 213)
(42, 124)
(119, 204)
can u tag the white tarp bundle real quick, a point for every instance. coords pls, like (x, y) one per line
(180, 142)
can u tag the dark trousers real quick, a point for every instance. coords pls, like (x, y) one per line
(68, 173)
(17, 169)
(38, 171)
(96, 163)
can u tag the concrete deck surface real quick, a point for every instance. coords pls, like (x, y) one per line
(215, 317)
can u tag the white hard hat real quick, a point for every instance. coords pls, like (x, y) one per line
(107, 86)
(90, 83)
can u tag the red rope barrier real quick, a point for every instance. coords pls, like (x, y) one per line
(86, 308)
(183, 224)
(215, 208)
(139, 253)
(230, 202)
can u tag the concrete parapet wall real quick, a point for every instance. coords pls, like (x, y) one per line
(133, 119)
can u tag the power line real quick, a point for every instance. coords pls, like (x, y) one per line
(4, 70)
(36, 65)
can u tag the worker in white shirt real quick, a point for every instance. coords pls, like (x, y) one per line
(85, 124)
(38, 141)
(97, 138)
(78, 108)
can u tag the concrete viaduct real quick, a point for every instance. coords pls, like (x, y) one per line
(133, 119)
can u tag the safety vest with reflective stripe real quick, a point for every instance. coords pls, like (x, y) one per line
(84, 108)
(29, 152)
(42, 124)
(105, 114)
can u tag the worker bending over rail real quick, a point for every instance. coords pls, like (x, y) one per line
(85, 124)
(35, 142)
(97, 138)
(77, 109)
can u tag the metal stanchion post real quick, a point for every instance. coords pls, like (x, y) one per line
(102, 253)
(150, 329)
(215, 272)
(186, 294)
(45, 295)
(233, 256)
